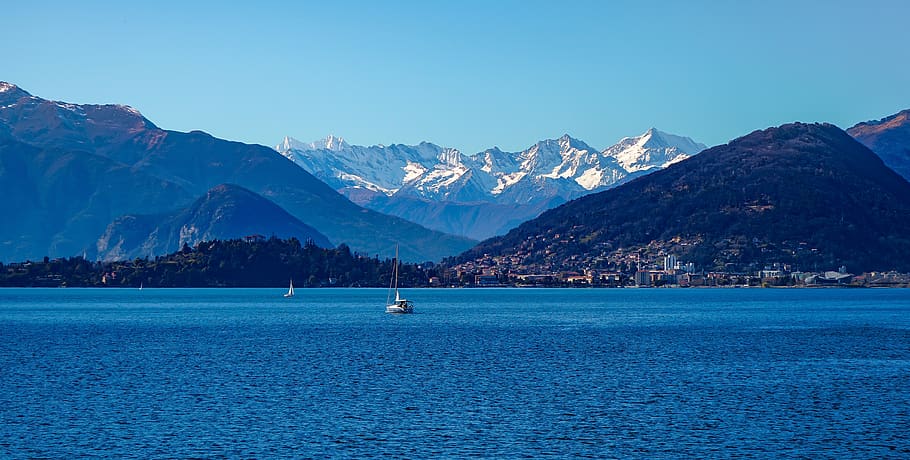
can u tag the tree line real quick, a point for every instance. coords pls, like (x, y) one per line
(223, 263)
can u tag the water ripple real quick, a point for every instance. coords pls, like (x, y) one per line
(224, 376)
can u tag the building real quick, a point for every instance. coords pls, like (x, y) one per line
(486, 280)
(610, 278)
(670, 263)
(642, 278)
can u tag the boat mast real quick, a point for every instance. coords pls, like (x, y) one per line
(396, 272)
(394, 279)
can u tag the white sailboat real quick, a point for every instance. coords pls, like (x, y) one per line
(290, 290)
(400, 305)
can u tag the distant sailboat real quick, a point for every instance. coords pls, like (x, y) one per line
(140, 285)
(290, 290)
(400, 305)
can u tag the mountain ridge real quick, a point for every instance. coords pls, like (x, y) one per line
(189, 164)
(799, 193)
(515, 186)
(545, 159)
(889, 138)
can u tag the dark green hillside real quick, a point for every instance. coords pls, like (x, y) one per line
(806, 194)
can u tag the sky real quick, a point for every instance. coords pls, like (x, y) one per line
(467, 74)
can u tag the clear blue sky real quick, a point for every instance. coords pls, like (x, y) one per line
(467, 74)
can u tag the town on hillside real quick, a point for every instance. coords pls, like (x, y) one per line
(646, 267)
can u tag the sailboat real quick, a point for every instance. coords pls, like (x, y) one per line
(400, 305)
(290, 290)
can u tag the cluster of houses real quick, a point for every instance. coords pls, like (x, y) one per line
(671, 272)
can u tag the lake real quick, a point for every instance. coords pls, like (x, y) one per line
(497, 373)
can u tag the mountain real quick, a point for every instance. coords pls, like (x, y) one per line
(652, 150)
(226, 212)
(56, 202)
(889, 138)
(805, 194)
(562, 168)
(99, 129)
(474, 219)
(445, 190)
(378, 168)
(154, 171)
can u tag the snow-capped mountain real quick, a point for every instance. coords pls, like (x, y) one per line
(564, 167)
(653, 149)
(335, 144)
(379, 168)
(544, 175)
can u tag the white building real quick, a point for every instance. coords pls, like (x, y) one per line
(670, 262)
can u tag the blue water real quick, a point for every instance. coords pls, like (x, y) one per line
(494, 373)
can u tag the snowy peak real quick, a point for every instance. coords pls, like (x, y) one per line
(10, 93)
(289, 143)
(652, 150)
(379, 168)
(449, 157)
(654, 138)
(548, 154)
(9, 87)
(331, 142)
(564, 167)
(567, 143)
(335, 144)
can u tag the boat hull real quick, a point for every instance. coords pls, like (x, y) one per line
(404, 306)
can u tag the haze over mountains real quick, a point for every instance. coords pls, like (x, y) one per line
(802, 194)
(104, 181)
(70, 170)
(486, 193)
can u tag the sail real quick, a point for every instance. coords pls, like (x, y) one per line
(290, 290)
(400, 305)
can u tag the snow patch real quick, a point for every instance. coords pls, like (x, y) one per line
(508, 180)
(412, 171)
(590, 179)
(361, 182)
(129, 109)
(75, 108)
